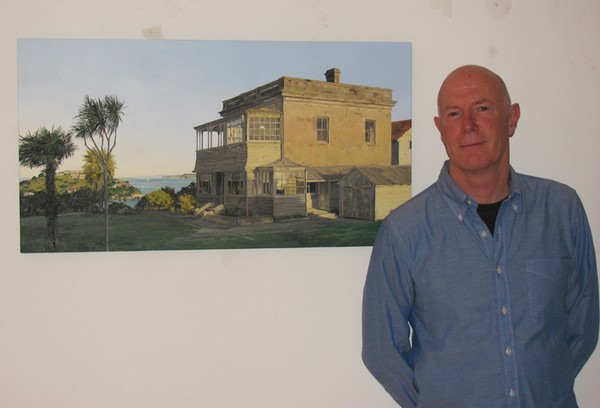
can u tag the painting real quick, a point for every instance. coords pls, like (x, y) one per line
(134, 145)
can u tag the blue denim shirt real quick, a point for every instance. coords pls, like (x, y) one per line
(454, 316)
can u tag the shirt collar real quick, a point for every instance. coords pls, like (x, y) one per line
(461, 202)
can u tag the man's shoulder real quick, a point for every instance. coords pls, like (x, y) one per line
(415, 209)
(538, 187)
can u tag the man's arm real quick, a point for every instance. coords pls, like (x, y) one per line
(387, 305)
(582, 298)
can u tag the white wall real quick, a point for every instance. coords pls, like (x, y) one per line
(269, 328)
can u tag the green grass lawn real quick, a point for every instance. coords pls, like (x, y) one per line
(170, 231)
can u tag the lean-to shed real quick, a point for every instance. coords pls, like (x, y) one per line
(281, 189)
(370, 193)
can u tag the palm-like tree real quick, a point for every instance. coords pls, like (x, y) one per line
(93, 170)
(96, 124)
(47, 148)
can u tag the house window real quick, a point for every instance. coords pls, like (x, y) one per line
(290, 183)
(235, 184)
(323, 130)
(370, 131)
(263, 182)
(205, 184)
(235, 132)
(264, 128)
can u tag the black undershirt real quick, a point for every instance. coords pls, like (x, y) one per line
(488, 213)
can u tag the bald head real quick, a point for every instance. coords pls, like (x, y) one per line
(476, 120)
(470, 76)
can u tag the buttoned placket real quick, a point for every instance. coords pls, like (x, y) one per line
(494, 247)
(507, 211)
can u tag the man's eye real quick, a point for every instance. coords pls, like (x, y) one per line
(482, 108)
(453, 114)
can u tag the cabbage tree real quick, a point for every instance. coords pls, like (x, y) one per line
(96, 124)
(47, 148)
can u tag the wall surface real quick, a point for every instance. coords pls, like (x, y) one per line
(269, 328)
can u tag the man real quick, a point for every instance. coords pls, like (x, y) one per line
(482, 290)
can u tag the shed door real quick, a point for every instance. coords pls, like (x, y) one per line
(357, 202)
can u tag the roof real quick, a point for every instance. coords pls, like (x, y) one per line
(286, 86)
(264, 110)
(400, 127)
(284, 163)
(327, 173)
(386, 175)
(378, 175)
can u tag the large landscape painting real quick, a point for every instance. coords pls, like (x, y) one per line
(131, 145)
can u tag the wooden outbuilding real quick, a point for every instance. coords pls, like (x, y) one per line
(370, 193)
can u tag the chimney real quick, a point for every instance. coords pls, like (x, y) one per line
(333, 75)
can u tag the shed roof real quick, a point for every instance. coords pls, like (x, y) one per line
(386, 175)
(330, 172)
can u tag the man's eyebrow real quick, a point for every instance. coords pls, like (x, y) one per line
(456, 106)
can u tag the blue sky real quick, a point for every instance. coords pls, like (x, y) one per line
(169, 87)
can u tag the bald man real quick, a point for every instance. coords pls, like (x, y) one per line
(482, 290)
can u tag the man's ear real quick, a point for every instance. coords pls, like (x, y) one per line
(515, 114)
(438, 125)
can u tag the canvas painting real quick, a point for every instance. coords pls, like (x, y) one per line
(133, 145)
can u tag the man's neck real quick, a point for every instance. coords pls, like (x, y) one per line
(486, 187)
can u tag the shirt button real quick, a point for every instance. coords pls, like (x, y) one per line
(504, 310)
(498, 270)
(512, 393)
(484, 234)
(508, 351)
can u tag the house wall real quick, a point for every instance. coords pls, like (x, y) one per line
(220, 159)
(263, 205)
(261, 154)
(347, 116)
(404, 149)
(237, 157)
(289, 206)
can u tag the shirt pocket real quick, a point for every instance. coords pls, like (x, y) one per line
(547, 286)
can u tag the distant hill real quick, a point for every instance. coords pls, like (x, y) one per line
(181, 176)
(71, 181)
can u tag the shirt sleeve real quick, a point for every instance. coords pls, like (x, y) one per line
(582, 297)
(387, 307)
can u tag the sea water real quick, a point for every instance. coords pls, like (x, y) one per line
(146, 185)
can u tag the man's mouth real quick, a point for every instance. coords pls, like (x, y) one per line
(474, 144)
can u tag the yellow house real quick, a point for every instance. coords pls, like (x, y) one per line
(275, 147)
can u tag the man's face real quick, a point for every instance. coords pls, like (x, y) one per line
(476, 121)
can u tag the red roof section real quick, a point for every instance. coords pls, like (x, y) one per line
(400, 127)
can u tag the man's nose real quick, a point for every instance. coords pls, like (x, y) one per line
(468, 124)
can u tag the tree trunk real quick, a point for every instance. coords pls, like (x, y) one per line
(106, 204)
(51, 210)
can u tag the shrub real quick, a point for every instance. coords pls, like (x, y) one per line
(187, 203)
(161, 200)
(190, 189)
